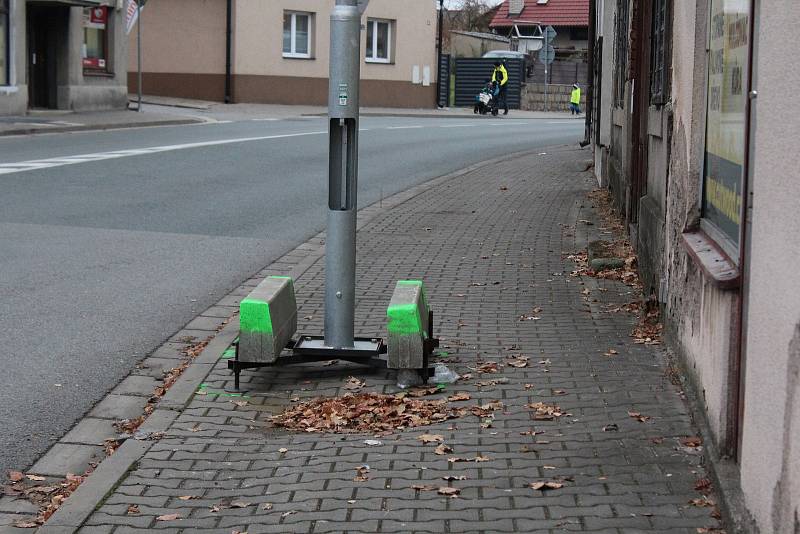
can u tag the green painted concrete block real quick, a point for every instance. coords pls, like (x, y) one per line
(407, 325)
(267, 320)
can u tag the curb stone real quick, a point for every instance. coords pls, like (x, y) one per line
(112, 469)
(99, 127)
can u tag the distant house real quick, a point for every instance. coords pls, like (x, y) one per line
(279, 51)
(570, 18)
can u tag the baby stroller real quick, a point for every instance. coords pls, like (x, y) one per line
(486, 100)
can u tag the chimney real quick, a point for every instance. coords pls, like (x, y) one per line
(515, 7)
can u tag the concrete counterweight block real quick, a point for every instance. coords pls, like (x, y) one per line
(408, 325)
(267, 320)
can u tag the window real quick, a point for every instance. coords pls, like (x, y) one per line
(5, 60)
(95, 38)
(379, 41)
(620, 52)
(659, 52)
(579, 34)
(297, 34)
(726, 123)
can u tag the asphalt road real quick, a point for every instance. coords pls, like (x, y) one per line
(104, 257)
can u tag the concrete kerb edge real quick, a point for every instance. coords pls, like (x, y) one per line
(99, 127)
(444, 116)
(113, 468)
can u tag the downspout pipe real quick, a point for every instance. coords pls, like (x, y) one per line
(228, 47)
(439, 102)
(590, 75)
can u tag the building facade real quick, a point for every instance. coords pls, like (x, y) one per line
(692, 135)
(277, 52)
(67, 54)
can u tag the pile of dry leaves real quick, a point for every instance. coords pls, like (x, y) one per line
(48, 497)
(364, 412)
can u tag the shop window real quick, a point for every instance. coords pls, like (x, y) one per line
(95, 39)
(379, 41)
(5, 59)
(621, 30)
(659, 53)
(297, 32)
(726, 123)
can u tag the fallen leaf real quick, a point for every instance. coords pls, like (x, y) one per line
(613, 427)
(559, 392)
(657, 440)
(459, 397)
(287, 514)
(266, 506)
(26, 523)
(373, 442)
(35, 478)
(451, 478)
(518, 361)
(240, 403)
(240, 504)
(168, 517)
(215, 508)
(639, 417)
(548, 467)
(353, 384)
(362, 473)
(15, 476)
(443, 449)
(188, 497)
(545, 485)
(693, 441)
(545, 412)
(422, 392)
(448, 491)
(528, 386)
(704, 486)
(702, 502)
(283, 450)
(430, 438)
(133, 509)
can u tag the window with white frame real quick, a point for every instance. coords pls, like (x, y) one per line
(5, 60)
(297, 32)
(379, 41)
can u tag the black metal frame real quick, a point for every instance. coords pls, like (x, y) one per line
(373, 358)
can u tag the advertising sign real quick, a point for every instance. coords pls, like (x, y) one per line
(96, 18)
(726, 115)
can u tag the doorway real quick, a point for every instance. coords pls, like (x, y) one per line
(45, 26)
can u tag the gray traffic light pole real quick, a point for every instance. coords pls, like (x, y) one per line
(340, 246)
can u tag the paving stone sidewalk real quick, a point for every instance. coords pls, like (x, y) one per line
(490, 246)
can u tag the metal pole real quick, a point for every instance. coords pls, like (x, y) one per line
(139, 52)
(340, 245)
(439, 57)
(546, 103)
(228, 45)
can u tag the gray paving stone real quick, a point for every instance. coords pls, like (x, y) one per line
(63, 459)
(91, 431)
(491, 246)
(119, 407)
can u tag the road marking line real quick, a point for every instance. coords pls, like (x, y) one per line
(457, 126)
(264, 120)
(22, 166)
(403, 127)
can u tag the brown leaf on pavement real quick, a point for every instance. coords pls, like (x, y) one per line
(188, 497)
(26, 523)
(461, 396)
(639, 417)
(240, 504)
(518, 361)
(362, 473)
(545, 412)
(451, 478)
(702, 502)
(693, 441)
(448, 491)
(610, 352)
(15, 476)
(133, 509)
(488, 367)
(422, 392)
(431, 438)
(547, 485)
(353, 384)
(443, 449)
(704, 486)
(168, 517)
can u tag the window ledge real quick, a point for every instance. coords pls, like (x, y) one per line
(379, 61)
(293, 56)
(98, 74)
(714, 263)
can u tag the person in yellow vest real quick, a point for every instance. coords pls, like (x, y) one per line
(575, 100)
(500, 77)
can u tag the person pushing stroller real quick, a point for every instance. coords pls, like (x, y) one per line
(486, 100)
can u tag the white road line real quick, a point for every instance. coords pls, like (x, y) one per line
(403, 127)
(264, 120)
(457, 126)
(575, 121)
(22, 166)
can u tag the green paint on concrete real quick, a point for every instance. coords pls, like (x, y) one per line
(404, 319)
(228, 354)
(254, 317)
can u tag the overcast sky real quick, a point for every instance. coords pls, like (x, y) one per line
(452, 4)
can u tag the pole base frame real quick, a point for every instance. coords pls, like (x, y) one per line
(371, 352)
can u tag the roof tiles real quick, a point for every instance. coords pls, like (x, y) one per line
(553, 13)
